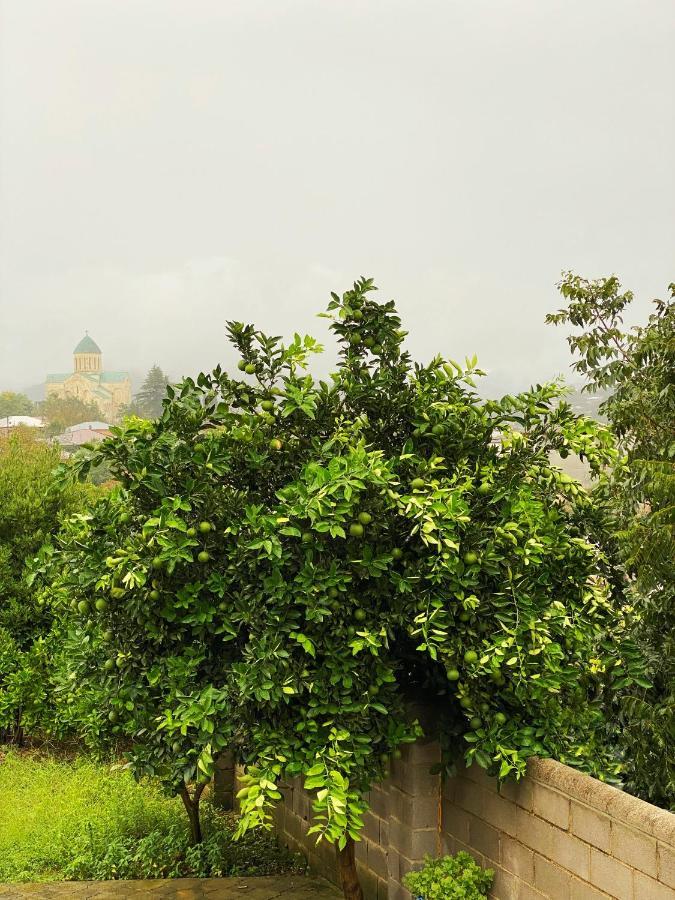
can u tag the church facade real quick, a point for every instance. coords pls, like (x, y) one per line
(90, 383)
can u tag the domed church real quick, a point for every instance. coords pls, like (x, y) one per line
(90, 383)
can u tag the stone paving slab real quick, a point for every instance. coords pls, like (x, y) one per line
(269, 887)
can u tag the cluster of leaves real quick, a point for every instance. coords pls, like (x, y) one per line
(456, 877)
(636, 368)
(32, 504)
(287, 563)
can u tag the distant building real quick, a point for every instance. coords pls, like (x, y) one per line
(90, 383)
(9, 422)
(83, 433)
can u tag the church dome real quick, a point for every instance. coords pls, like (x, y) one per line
(87, 345)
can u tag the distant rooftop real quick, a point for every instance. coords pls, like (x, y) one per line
(87, 345)
(81, 426)
(27, 421)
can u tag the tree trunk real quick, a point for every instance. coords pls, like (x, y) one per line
(348, 875)
(191, 805)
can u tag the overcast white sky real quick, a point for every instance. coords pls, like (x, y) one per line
(168, 164)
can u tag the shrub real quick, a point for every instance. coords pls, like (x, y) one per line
(450, 878)
(32, 503)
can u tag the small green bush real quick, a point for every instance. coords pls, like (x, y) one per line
(81, 820)
(450, 878)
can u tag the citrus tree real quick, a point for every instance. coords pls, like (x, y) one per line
(636, 370)
(288, 562)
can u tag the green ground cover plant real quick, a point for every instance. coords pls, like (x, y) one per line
(456, 877)
(78, 819)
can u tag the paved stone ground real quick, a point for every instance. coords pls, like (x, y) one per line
(269, 887)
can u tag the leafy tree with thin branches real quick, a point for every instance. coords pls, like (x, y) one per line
(637, 368)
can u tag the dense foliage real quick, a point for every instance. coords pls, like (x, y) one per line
(637, 370)
(80, 820)
(12, 404)
(287, 562)
(456, 877)
(32, 503)
(62, 412)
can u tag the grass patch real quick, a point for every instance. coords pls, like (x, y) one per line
(79, 820)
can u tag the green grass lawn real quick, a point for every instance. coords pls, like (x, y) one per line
(79, 819)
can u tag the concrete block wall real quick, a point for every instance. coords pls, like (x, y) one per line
(557, 834)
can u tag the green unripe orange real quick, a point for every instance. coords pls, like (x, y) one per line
(470, 558)
(157, 563)
(465, 703)
(117, 593)
(267, 405)
(500, 718)
(356, 530)
(397, 553)
(241, 365)
(417, 484)
(124, 518)
(203, 556)
(83, 607)
(108, 635)
(191, 532)
(101, 605)
(365, 518)
(275, 444)
(249, 369)
(109, 665)
(360, 615)
(205, 527)
(155, 595)
(470, 657)
(475, 723)
(453, 675)
(112, 716)
(484, 488)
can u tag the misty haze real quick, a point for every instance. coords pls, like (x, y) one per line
(337, 449)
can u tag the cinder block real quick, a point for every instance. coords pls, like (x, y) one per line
(416, 780)
(666, 864)
(384, 833)
(393, 864)
(550, 879)
(418, 812)
(590, 826)
(455, 823)
(633, 848)
(517, 859)
(471, 797)
(519, 792)
(582, 890)
(371, 827)
(426, 753)
(527, 892)
(485, 839)
(412, 843)
(378, 800)
(377, 861)
(572, 854)
(368, 881)
(611, 876)
(505, 885)
(382, 890)
(361, 852)
(396, 891)
(500, 812)
(551, 805)
(536, 833)
(646, 887)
